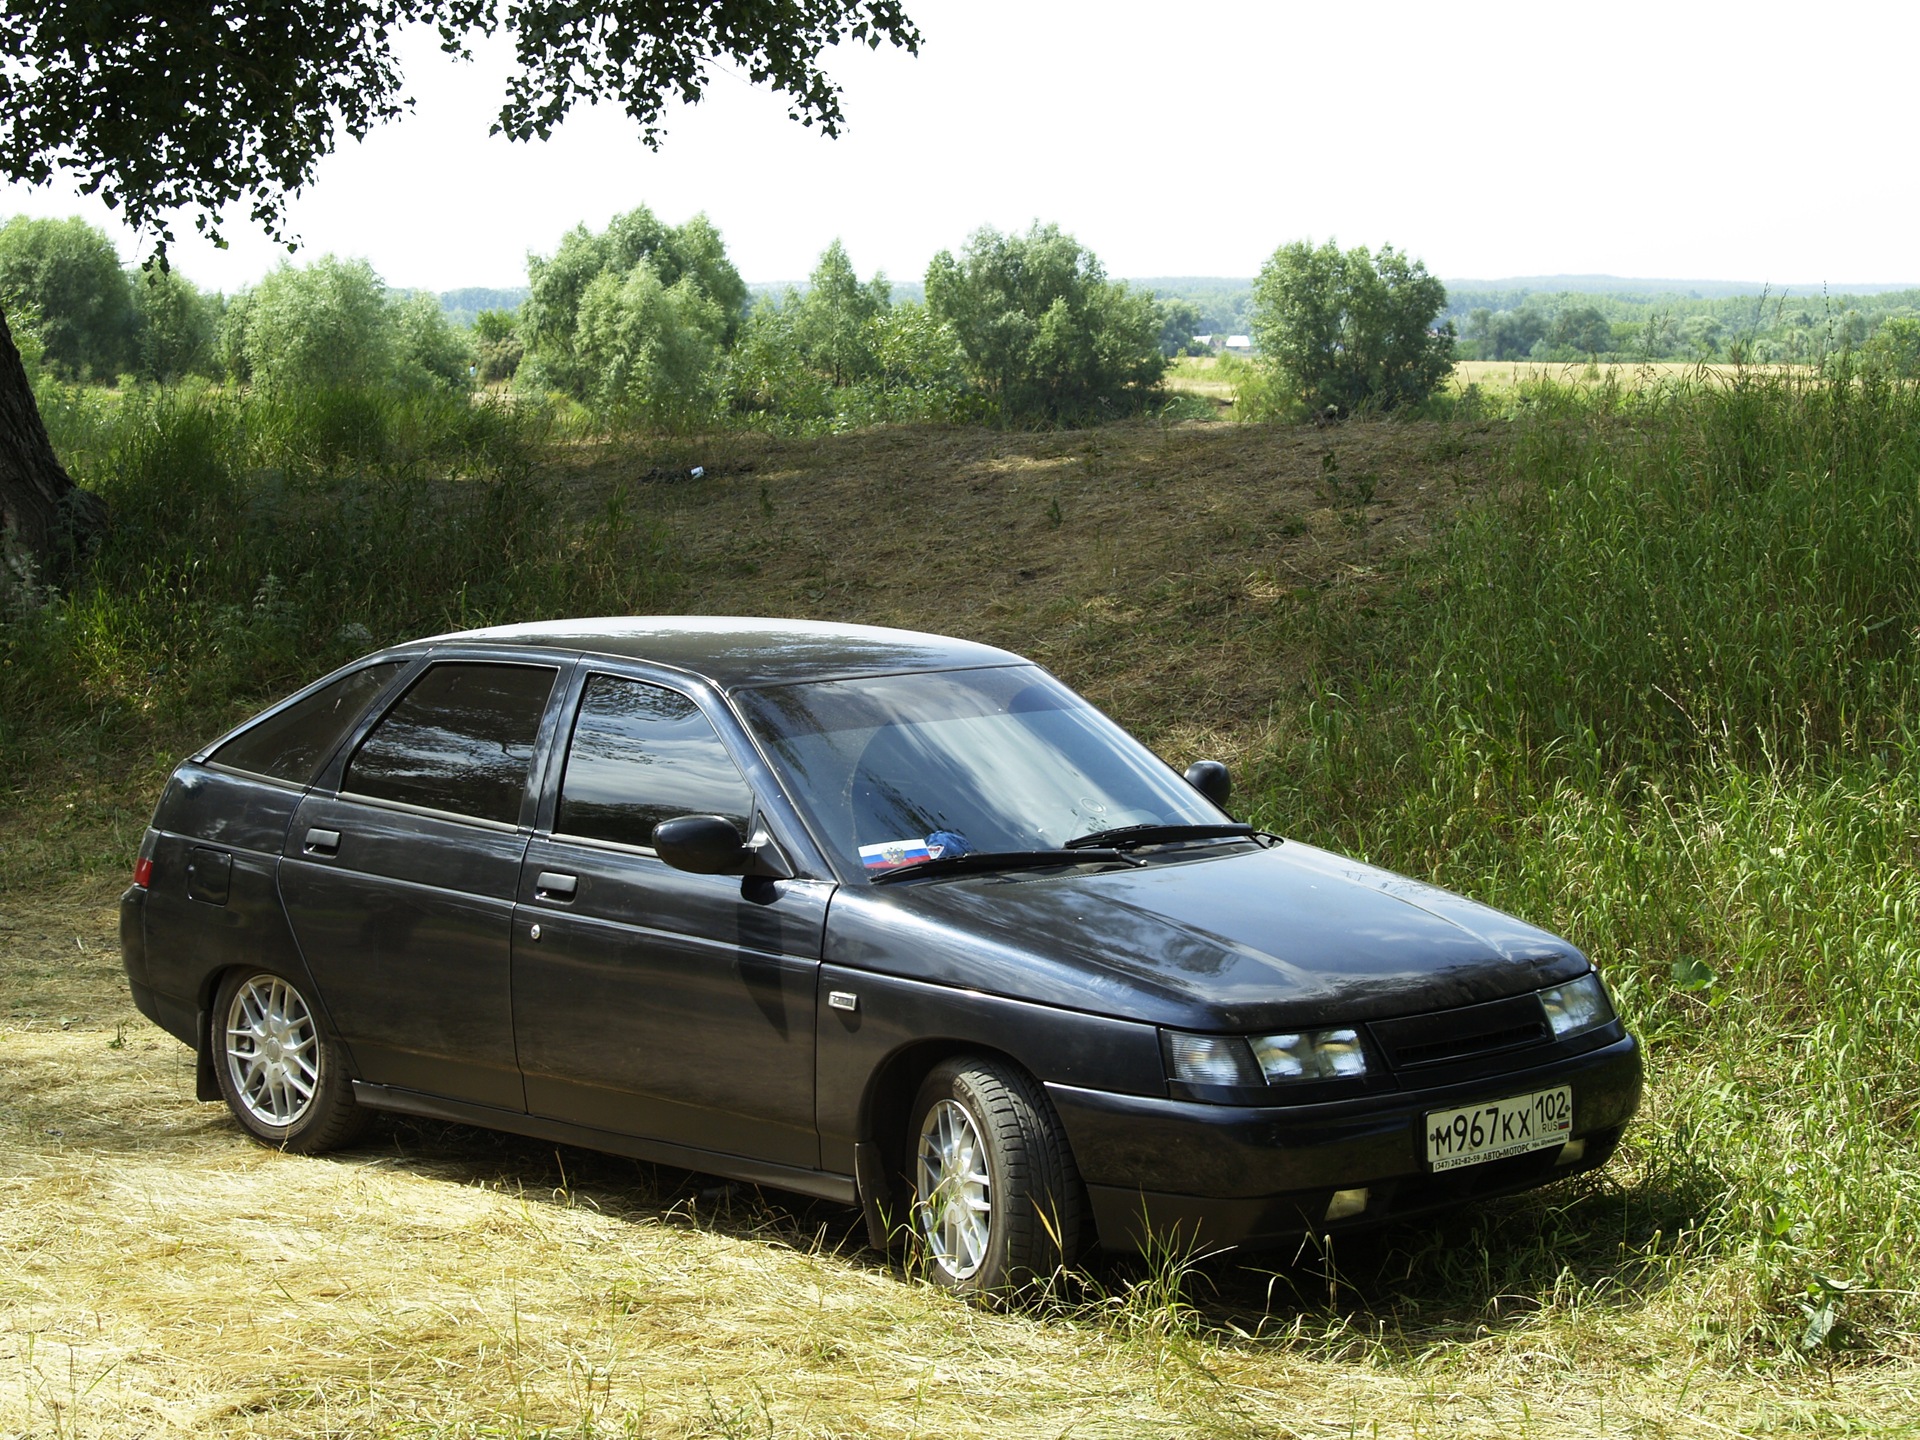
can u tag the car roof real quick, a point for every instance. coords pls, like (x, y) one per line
(736, 652)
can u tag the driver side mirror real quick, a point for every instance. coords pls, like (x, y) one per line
(1211, 779)
(711, 845)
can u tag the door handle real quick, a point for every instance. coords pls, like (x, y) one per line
(554, 886)
(323, 842)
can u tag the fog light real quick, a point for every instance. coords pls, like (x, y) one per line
(1572, 1153)
(1347, 1203)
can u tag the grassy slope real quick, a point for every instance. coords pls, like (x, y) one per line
(1157, 569)
(167, 1277)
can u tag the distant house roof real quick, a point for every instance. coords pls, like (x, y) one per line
(1239, 342)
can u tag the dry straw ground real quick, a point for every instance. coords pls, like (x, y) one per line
(162, 1276)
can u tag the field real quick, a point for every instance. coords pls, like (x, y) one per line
(1341, 614)
(1202, 375)
(1212, 377)
(1508, 374)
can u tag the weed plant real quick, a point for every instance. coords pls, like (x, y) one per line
(1659, 693)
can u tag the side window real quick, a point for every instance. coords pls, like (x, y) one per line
(460, 739)
(292, 745)
(642, 754)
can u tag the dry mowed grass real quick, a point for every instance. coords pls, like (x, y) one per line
(161, 1275)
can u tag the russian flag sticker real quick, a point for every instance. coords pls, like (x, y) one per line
(892, 854)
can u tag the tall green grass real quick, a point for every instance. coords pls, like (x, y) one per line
(1658, 691)
(1697, 571)
(258, 541)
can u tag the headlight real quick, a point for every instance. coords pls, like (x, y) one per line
(1264, 1059)
(1310, 1055)
(1209, 1059)
(1576, 1006)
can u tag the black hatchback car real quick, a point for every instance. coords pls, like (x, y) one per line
(883, 917)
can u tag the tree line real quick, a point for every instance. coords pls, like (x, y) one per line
(1880, 330)
(85, 317)
(644, 323)
(649, 325)
(187, 113)
(1026, 328)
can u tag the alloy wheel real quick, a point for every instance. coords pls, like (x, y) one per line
(272, 1051)
(955, 1204)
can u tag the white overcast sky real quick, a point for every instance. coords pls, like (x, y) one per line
(1677, 139)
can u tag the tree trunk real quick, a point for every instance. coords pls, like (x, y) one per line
(47, 523)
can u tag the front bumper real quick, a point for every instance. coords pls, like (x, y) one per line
(1238, 1174)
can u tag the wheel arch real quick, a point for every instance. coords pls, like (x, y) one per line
(881, 1153)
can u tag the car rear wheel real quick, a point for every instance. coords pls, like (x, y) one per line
(997, 1201)
(279, 1072)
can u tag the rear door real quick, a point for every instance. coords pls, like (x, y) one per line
(400, 884)
(648, 1001)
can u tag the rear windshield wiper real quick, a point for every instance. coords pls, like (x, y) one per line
(1004, 860)
(1131, 837)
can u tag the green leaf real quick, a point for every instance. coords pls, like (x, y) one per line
(1691, 975)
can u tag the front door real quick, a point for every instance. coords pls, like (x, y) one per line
(657, 1003)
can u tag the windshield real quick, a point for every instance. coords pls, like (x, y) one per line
(899, 769)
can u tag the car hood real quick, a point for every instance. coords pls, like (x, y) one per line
(1284, 936)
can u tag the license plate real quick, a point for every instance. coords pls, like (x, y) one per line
(1499, 1128)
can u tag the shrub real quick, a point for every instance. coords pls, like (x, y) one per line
(176, 325)
(1046, 335)
(649, 351)
(1341, 330)
(319, 327)
(555, 310)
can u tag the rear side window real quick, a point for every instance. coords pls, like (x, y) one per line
(460, 739)
(642, 754)
(294, 744)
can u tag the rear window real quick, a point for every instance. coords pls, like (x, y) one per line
(461, 740)
(293, 744)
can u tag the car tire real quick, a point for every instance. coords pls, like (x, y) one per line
(279, 1071)
(997, 1202)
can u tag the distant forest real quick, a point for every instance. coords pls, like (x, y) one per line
(1637, 321)
(1551, 318)
(1579, 317)
(462, 307)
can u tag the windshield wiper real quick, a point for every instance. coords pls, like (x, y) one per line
(1131, 837)
(1004, 860)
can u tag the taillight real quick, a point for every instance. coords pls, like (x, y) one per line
(143, 871)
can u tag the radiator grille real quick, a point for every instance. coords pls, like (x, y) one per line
(1448, 1036)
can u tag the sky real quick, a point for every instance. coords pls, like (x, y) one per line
(1760, 142)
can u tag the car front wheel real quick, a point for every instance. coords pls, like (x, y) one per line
(279, 1072)
(997, 1201)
